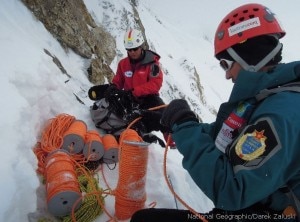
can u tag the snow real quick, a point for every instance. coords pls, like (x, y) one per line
(34, 90)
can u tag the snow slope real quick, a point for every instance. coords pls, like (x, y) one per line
(34, 90)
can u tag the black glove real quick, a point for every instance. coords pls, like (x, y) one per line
(97, 92)
(121, 102)
(111, 90)
(151, 115)
(178, 111)
(129, 117)
(139, 128)
(151, 120)
(128, 101)
(112, 96)
(150, 138)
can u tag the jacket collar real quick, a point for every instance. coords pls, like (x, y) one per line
(248, 84)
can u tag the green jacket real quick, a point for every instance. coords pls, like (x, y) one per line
(237, 180)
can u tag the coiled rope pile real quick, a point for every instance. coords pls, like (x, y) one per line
(132, 153)
(82, 200)
(70, 186)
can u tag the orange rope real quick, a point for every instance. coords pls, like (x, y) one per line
(59, 166)
(93, 149)
(130, 192)
(74, 136)
(40, 155)
(94, 192)
(61, 183)
(137, 119)
(200, 216)
(104, 178)
(109, 141)
(111, 149)
(165, 170)
(51, 138)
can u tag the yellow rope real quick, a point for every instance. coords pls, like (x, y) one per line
(90, 207)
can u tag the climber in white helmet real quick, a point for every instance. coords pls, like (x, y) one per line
(139, 74)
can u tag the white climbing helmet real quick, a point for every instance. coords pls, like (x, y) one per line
(133, 39)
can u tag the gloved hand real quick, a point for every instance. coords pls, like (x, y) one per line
(150, 138)
(151, 115)
(151, 119)
(112, 96)
(178, 111)
(120, 101)
(111, 90)
(128, 101)
(129, 117)
(97, 92)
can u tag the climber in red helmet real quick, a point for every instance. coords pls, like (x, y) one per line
(246, 162)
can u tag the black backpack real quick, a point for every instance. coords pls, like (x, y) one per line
(114, 113)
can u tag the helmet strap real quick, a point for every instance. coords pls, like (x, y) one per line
(259, 65)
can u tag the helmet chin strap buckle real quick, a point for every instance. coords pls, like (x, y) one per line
(251, 69)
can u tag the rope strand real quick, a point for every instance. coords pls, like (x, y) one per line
(200, 216)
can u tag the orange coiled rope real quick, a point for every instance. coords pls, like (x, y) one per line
(111, 149)
(52, 135)
(65, 175)
(93, 149)
(130, 192)
(73, 139)
(61, 183)
(51, 138)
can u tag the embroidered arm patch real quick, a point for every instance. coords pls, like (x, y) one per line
(154, 70)
(255, 145)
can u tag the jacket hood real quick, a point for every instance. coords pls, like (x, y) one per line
(150, 57)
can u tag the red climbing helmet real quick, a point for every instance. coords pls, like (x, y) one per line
(244, 22)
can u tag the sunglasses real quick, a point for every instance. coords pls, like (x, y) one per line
(133, 49)
(226, 64)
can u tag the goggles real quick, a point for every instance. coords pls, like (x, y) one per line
(133, 49)
(226, 64)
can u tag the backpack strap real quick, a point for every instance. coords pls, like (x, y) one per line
(293, 87)
(103, 120)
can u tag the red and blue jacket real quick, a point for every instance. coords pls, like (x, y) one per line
(142, 78)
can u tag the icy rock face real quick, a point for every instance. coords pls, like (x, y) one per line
(73, 26)
(97, 35)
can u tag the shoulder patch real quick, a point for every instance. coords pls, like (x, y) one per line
(254, 146)
(154, 70)
(251, 145)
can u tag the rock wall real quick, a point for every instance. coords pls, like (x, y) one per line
(72, 25)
